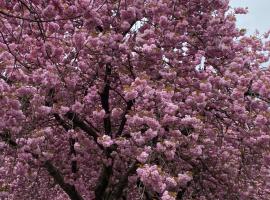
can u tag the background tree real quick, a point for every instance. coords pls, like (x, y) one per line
(131, 99)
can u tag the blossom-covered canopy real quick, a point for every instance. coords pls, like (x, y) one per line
(132, 99)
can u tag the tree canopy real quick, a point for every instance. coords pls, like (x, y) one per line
(132, 99)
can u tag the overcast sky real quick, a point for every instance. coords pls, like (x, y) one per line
(258, 16)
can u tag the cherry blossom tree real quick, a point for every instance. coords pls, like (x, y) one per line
(132, 99)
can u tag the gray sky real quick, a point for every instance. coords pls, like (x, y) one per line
(258, 16)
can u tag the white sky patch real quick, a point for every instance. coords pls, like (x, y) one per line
(200, 66)
(257, 18)
(139, 24)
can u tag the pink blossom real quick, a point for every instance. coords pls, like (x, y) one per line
(99, 114)
(125, 25)
(170, 182)
(79, 40)
(143, 157)
(53, 27)
(128, 14)
(45, 110)
(49, 11)
(63, 110)
(163, 21)
(206, 87)
(260, 120)
(167, 196)
(106, 141)
(116, 113)
(151, 133)
(171, 108)
(241, 10)
(77, 107)
(197, 151)
(131, 95)
(183, 179)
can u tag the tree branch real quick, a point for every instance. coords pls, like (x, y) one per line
(58, 178)
(70, 190)
(6, 137)
(124, 119)
(104, 97)
(118, 191)
(77, 122)
(103, 182)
